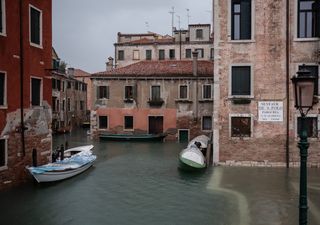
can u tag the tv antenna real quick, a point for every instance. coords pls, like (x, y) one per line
(179, 21)
(188, 16)
(147, 26)
(172, 12)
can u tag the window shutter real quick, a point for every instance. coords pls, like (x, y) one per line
(316, 9)
(98, 92)
(36, 85)
(245, 20)
(2, 89)
(241, 81)
(1, 17)
(35, 26)
(134, 91)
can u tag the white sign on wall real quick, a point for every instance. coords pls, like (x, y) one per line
(270, 111)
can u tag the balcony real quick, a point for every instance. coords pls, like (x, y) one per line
(157, 102)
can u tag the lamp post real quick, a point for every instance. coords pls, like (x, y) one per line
(303, 84)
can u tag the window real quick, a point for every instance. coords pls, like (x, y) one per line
(240, 126)
(103, 92)
(311, 124)
(206, 123)
(35, 92)
(206, 91)
(58, 105)
(59, 85)
(103, 122)
(69, 85)
(155, 93)
(183, 91)
(63, 104)
(3, 153)
(148, 54)
(81, 105)
(314, 71)
(2, 17)
(200, 52)
(199, 33)
(241, 80)
(188, 53)
(3, 89)
(172, 54)
(128, 92)
(35, 26)
(69, 105)
(240, 19)
(136, 54)
(128, 122)
(62, 84)
(54, 107)
(212, 53)
(161, 54)
(307, 19)
(121, 55)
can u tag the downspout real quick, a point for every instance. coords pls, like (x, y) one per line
(287, 81)
(22, 128)
(195, 74)
(180, 43)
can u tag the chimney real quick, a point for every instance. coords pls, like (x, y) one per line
(71, 72)
(109, 64)
(195, 63)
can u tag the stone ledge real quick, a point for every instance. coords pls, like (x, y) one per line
(265, 163)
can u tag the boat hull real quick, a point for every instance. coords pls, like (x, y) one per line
(60, 175)
(145, 138)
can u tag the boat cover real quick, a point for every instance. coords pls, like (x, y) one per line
(203, 139)
(73, 162)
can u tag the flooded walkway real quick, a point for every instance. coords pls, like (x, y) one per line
(138, 183)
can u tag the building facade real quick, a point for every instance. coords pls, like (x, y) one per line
(25, 87)
(168, 96)
(259, 45)
(132, 48)
(69, 99)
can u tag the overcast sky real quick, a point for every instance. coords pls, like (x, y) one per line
(84, 31)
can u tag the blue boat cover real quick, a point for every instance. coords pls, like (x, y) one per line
(73, 162)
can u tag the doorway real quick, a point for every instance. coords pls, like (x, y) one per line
(183, 135)
(155, 124)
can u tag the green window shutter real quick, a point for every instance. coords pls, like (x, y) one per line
(35, 26)
(245, 20)
(241, 80)
(1, 28)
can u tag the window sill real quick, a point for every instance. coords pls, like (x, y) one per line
(241, 41)
(207, 131)
(36, 45)
(231, 97)
(313, 39)
(3, 107)
(3, 34)
(3, 168)
(240, 138)
(130, 130)
(128, 100)
(206, 100)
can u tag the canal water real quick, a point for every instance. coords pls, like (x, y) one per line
(139, 183)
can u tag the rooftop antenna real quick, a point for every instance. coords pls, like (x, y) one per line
(172, 18)
(188, 16)
(147, 26)
(179, 22)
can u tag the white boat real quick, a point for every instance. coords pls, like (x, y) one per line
(191, 158)
(63, 169)
(72, 151)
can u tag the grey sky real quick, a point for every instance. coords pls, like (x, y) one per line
(84, 31)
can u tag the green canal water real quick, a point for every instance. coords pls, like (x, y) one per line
(139, 183)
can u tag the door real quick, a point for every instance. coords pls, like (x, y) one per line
(183, 136)
(155, 124)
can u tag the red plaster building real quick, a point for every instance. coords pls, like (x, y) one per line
(169, 96)
(25, 63)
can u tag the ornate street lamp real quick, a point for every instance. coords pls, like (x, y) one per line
(303, 84)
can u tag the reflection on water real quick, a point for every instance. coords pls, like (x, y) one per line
(139, 183)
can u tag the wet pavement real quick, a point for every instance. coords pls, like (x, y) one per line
(139, 183)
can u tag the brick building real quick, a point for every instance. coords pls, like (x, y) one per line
(132, 48)
(259, 45)
(154, 97)
(25, 87)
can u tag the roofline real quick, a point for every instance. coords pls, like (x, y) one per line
(165, 43)
(152, 77)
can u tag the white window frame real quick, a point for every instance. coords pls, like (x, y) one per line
(295, 29)
(41, 27)
(136, 55)
(241, 115)
(4, 23)
(251, 81)
(107, 122)
(296, 126)
(311, 64)
(5, 102)
(124, 123)
(41, 92)
(5, 167)
(187, 98)
(253, 22)
(202, 123)
(211, 94)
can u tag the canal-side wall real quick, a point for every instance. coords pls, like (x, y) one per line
(265, 54)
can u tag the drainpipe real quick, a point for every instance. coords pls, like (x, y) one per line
(287, 80)
(195, 74)
(180, 43)
(22, 128)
